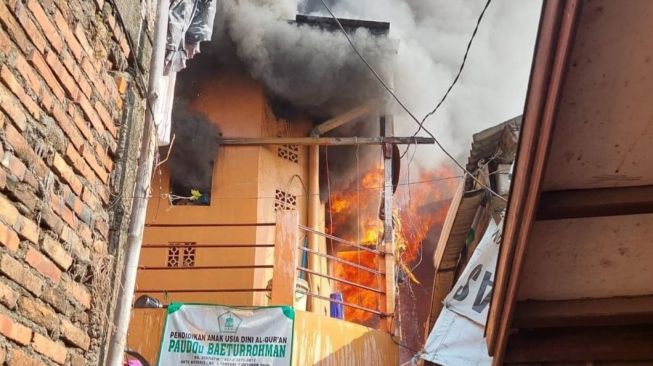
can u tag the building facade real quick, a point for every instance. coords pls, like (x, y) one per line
(71, 109)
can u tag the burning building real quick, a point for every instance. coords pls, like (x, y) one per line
(241, 157)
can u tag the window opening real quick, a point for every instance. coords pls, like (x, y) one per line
(284, 201)
(192, 157)
(181, 255)
(289, 152)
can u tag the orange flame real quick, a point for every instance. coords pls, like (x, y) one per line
(354, 215)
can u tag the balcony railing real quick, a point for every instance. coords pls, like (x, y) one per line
(287, 268)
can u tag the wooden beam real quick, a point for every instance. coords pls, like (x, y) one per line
(595, 202)
(389, 260)
(325, 141)
(557, 26)
(351, 115)
(584, 312)
(590, 344)
(284, 275)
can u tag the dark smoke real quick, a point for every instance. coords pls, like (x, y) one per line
(195, 147)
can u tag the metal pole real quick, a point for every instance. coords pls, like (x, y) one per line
(115, 355)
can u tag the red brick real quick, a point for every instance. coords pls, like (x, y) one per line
(48, 28)
(75, 335)
(32, 31)
(102, 227)
(10, 81)
(90, 113)
(59, 207)
(38, 312)
(79, 164)
(67, 126)
(81, 37)
(121, 83)
(20, 358)
(106, 118)
(90, 199)
(46, 100)
(28, 229)
(103, 192)
(85, 234)
(26, 71)
(56, 252)
(6, 45)
(39, 64)
(89, 156)
(106, 160)
(66, 173)
(14, 330)
(124, 45)
(23, 149)
(71, 65)
(63, 75)
(73, 45)
(21, 275)
(8, 212)
(69, 236)
(8, 296)
(54, 351)
(43, 265)
(9, 238)
(77, 291)
(14, 165)
(113, 90)
(97, 82)
(10, 105)
(13, 28)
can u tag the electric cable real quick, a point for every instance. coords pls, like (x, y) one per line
(403, 106)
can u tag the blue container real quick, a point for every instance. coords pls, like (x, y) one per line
(337, 309)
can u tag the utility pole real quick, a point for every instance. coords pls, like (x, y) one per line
(388, 263)
(141, 192)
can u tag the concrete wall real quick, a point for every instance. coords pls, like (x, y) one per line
(318, 340)
(244, 184)
(70, 116)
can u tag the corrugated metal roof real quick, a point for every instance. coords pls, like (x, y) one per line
(498, 142)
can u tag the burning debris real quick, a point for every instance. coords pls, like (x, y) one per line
(353, 214)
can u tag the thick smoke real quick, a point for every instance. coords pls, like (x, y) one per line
(191, 158)
(311, 68)
(317, 69)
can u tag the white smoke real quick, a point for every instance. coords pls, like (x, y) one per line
(314, 68)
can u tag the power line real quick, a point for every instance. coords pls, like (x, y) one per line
(403, 106)
(460, 70)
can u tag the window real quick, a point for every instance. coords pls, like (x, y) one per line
(181, 255)
(284, 201)
(192, 157)
(289, 152)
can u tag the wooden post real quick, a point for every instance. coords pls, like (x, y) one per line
(284, 274)
(388, 263)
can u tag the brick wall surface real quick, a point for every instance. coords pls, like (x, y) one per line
(69, 113)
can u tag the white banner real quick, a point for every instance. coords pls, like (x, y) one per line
(457, 337)
(214, 335)
(456, 341)
(472, 292)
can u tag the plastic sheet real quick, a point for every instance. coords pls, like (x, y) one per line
(189, 23)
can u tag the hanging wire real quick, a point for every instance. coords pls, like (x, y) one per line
(405, 108)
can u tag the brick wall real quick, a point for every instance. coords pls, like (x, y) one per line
(70, 107)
